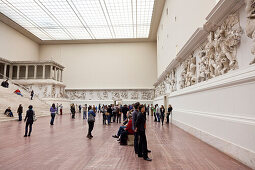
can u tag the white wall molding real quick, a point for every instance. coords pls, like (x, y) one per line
(232, 78)
(237, 152)
(225, 116)
(219, 13)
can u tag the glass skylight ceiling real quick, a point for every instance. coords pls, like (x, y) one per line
(81, 19)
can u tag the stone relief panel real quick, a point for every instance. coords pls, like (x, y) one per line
(188, 74)
(136, 94)
(173, 80)
(250, 25)
(47, 90)
(218, 55)
(214, 57)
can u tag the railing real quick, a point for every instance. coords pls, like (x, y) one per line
(23, 88)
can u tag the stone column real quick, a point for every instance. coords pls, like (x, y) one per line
(43, 74)
(5, 69)
(55, 73)
(26, 73)
(50, 71)
(18, 72)
(35, 71)
(11, 70)
(61, 74)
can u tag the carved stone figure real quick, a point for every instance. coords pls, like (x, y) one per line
(250, 25)
(203, 65)
(115, 95)
(172, 80)
(134, 95)
(124, 95)
(227, 38)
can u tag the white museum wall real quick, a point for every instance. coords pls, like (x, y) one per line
(16, 47)
(219, 111)
(177, 25)
(105, 66)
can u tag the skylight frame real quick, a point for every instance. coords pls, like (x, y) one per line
(81, 19)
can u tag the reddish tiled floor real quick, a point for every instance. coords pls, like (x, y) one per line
(65, 146)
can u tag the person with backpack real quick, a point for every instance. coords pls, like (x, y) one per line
(29, 119)
(91, 121)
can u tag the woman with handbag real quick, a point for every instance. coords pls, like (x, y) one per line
(91, 121)
(29, 119)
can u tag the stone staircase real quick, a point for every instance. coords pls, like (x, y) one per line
(9, 98)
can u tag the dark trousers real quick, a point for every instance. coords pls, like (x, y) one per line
(73, 115)
(118, 118)
(136, 138)
(30, 128)
(109, 119)
(158, 117)
(52, 118)
(162, 119)
(32, 97)
(121, 130)
(20, 116)
(114, 117)
(124, 116)
(104, 119)
(155, 117)
(91, 126)
(142, 145)
(167, 117)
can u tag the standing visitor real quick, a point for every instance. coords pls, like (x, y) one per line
(169, 111)
(148, 110)
(85, 111)
(99, 108)
(134, 117)
(158, 113)
(20, 111)
(109, 113)
(29, 119)
(114, 112)
(118, 115)
(79, 108)
(104, 111)
(140, 130)
(57, 109)
(124, 110)
(152, 109)
(61, 109)
(91, 121)
(53, 111)
(162, 114)
(32, 94)
(73, 111)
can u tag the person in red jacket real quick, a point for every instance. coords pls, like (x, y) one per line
(129, 126)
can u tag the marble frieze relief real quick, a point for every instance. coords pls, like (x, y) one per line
(110, 94)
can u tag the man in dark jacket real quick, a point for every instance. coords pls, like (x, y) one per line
(20, 111)
(140, 130)
(29, 119)
(134, 116)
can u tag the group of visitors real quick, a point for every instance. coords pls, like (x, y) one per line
(135, 125)
(159, 113)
